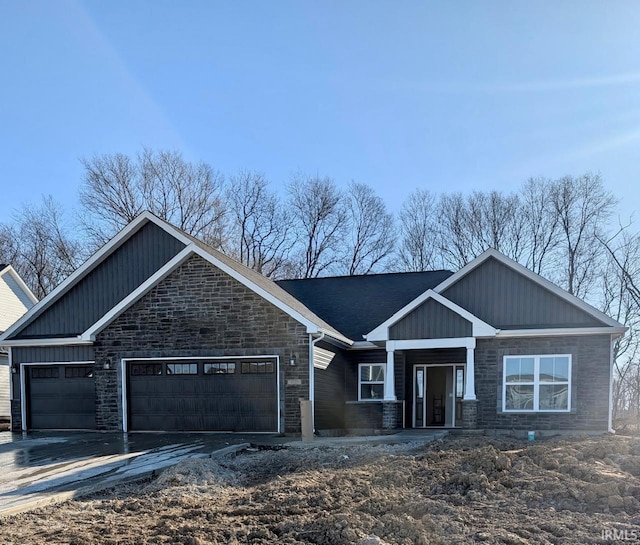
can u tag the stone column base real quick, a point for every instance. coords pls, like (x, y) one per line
(391, 415)
(469, 414)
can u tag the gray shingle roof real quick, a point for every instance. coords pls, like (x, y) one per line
(355, 305)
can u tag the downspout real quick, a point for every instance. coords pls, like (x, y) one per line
(312, 381)
(10, 375)
(610, 418)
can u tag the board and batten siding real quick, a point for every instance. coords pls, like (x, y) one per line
(44, 354)
(107, 284)
(506, 299)
(330, 390)
(430, 320)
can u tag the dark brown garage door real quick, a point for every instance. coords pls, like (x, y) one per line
(203, 395)
(61, 397)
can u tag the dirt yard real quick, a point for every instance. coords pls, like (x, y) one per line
(458, 490)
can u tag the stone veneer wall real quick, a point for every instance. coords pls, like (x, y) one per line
(198, 310)
(589, 387)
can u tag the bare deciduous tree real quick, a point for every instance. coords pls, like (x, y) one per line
(320, 221)
(116, 188)
(372, 232)
(583, 208)
(467, 226)
(259, 227)
(40, 247)
(419, 247)
(540, 224)
(621, 300)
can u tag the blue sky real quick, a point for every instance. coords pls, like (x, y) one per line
(440, 95)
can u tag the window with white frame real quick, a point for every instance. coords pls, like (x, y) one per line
(371, 381)
(537, 383)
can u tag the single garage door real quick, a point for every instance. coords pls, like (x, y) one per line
(203, 395)
(61, 397)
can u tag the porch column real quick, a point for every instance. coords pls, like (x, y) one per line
(470, 376)
(389, 376)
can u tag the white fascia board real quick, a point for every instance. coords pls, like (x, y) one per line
(563, 294)
(312, 328)
(169, 267)
(561, 331)
(480, 328)
(89, 264)
(61, 341)
(365, 345)
(422, 344)
(10, 270)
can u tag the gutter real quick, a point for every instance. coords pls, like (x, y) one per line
(312, 381)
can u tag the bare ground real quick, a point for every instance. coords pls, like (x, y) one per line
(458, 490)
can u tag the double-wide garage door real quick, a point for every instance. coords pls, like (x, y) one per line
(235, 394)
(61, 397)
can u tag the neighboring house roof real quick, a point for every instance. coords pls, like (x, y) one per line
(357, 304)
(190, 246)
(15, 297)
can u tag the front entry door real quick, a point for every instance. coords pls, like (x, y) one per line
(435, 395)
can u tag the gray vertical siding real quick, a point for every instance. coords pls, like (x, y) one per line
(430, 320)
(43, 354)
(330, 391)
(111, 281)
(506, 299)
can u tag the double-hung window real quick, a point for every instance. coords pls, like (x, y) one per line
(537, 383)
(371, 381)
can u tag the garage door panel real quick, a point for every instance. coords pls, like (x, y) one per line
(58, 399)
(231, 401)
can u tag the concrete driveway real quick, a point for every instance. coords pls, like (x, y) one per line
(39, 468)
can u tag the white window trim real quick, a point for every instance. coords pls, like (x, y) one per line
(536, 383)
(360, 383)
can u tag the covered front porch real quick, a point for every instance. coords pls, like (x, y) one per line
(428, 383)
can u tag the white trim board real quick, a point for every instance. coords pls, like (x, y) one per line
(479, 327)
(418, 344)
(543, 282)
(123, 379)
(60, 341)
(90, 264)
(560, 331)
(193, 249)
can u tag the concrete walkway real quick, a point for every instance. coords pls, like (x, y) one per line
(41, 468)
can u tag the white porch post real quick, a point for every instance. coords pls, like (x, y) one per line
(389, 376)
(470, 378)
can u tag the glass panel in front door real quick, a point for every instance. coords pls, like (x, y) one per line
(419, 401)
